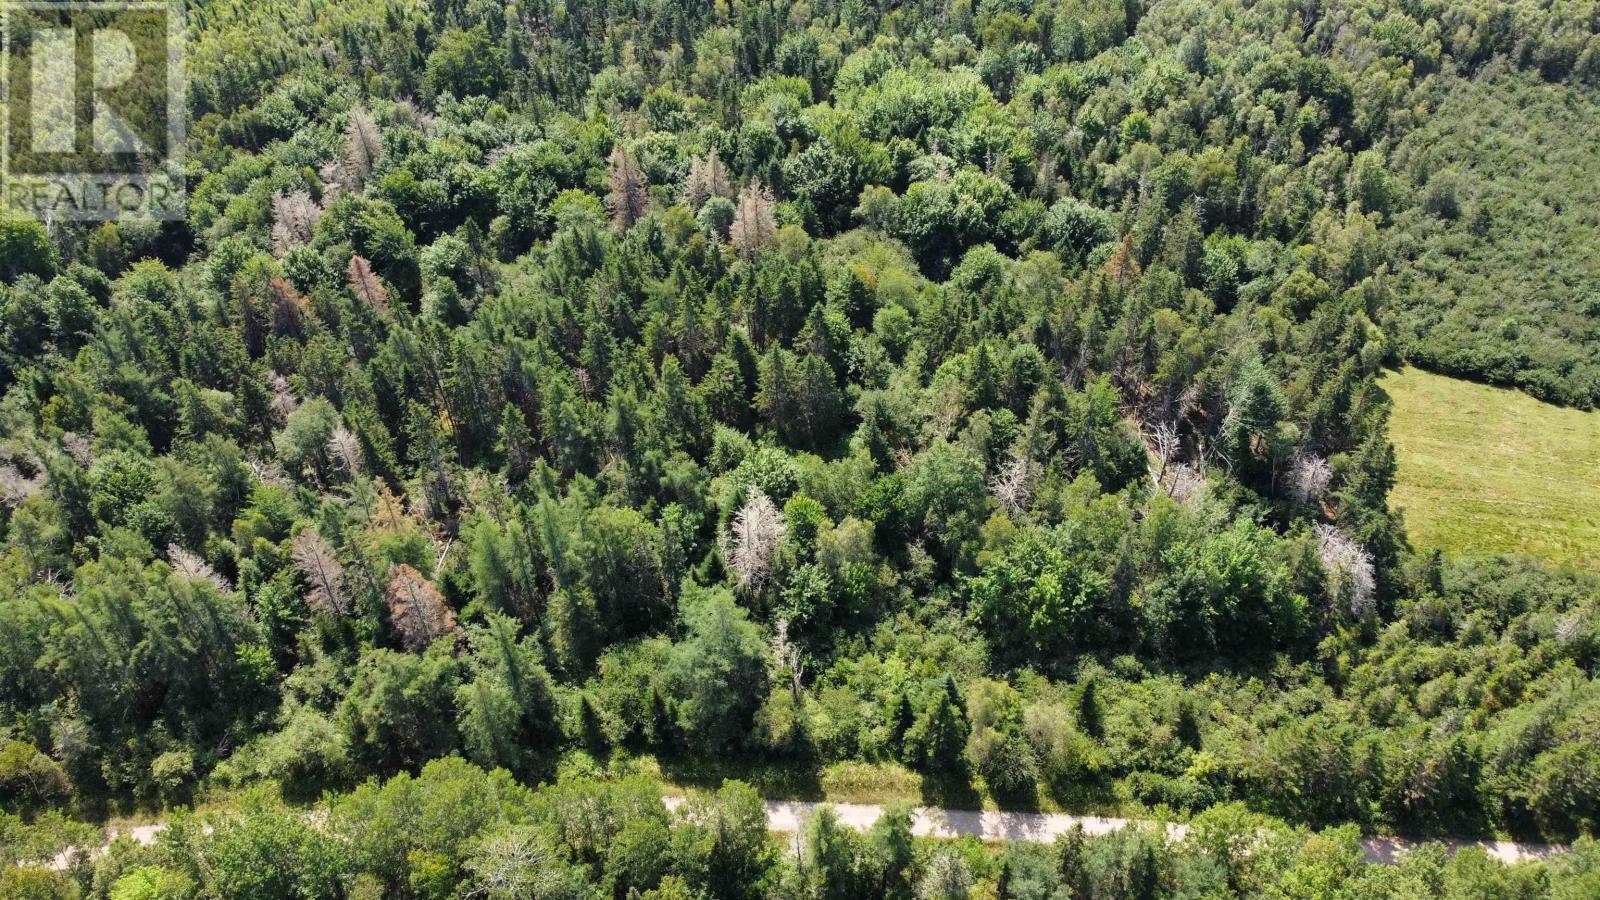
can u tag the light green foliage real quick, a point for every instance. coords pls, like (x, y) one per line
(26, 249)
(269, 850)
(721, 843)
(438, 812)
(153, 883)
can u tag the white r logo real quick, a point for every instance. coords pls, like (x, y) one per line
(55, 95)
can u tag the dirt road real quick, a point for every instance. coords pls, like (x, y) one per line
(789, 815)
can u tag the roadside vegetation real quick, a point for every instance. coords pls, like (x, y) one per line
(456, 830)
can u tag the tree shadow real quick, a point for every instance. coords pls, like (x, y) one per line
(1093, 794)
(779, 778)
(950, 790)
(1020, 798)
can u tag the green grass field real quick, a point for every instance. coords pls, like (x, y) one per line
(1490, 469)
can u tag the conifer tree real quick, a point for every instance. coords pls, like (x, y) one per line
(707, 178)
(753, 223)
(627, 198)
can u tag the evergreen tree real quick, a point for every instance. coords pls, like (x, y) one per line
(627, 199)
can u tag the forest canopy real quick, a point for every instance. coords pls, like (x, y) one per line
(981, 392)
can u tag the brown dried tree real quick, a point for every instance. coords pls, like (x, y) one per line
(417, 610)
(1122, 266)
(388, 511)
(365, 284)
(707, 178)
(627, 198)
(289, 309)
(753, 223)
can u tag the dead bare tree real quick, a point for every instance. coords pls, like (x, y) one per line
(345, 451)
(16, 487)
(191, 566)
(78, 446)
(363, 143)
(755, 534)
(753, 222)
(1349, 570)
(1309, 478)
(1012, 486)
(789, 659)
(316, 562)
(1184, 482)
(513, 863)
(294, 220)
(284, 400)
(1164, 443)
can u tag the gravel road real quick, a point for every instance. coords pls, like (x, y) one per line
(788, 815)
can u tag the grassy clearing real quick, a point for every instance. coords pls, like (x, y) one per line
(860, 782)
(1486, 469)
(840, 782)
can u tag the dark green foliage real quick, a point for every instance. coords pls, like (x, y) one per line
(507, 711)
(715, 676)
